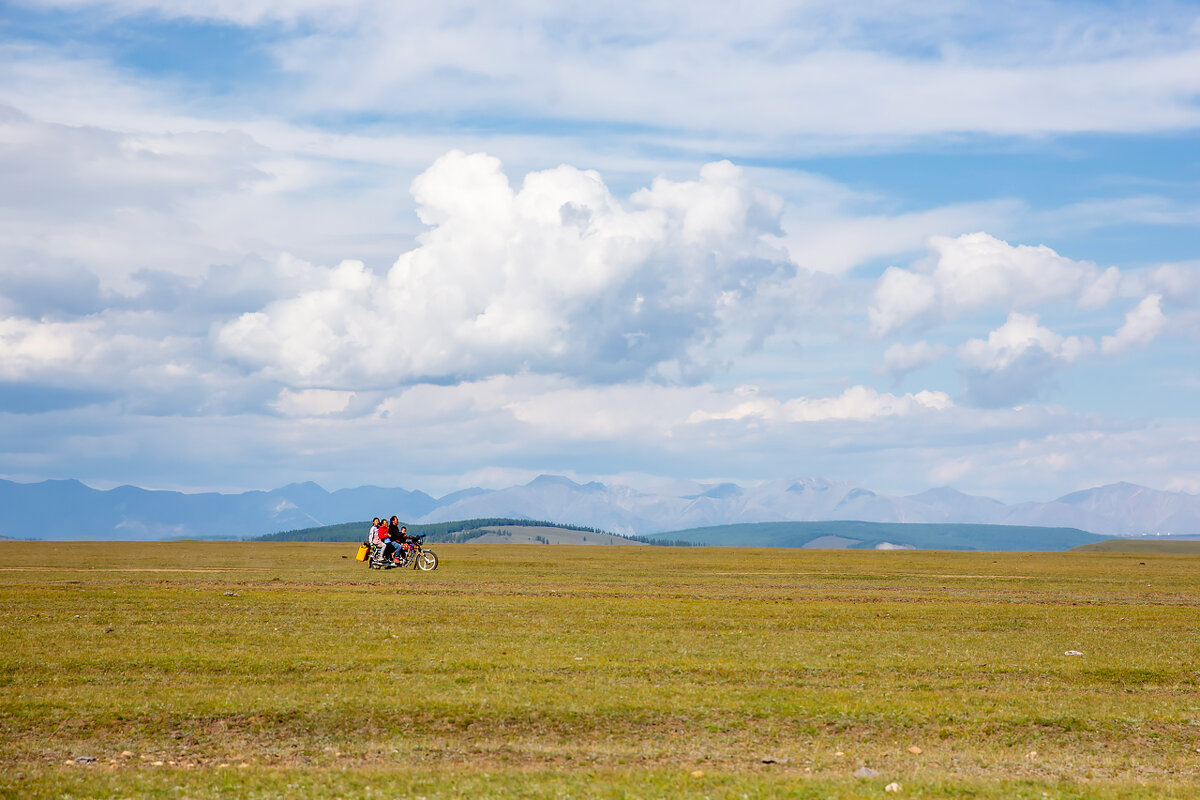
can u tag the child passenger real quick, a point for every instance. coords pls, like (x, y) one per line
(374, 537)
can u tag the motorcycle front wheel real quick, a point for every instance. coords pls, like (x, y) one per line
(426, 561)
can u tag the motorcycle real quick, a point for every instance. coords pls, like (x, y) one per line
(412, 553)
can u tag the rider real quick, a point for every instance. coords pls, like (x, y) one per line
(398, 535)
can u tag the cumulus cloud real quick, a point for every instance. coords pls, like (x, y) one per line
(977, 270)
(1017, 361)
(556, 276)
(1142, 325)
(1018, 335)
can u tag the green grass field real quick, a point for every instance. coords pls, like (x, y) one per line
(272, 670)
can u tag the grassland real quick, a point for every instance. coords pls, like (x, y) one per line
(265, 670)
(1177, 547)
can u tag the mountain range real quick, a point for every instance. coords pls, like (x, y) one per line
(68, 509)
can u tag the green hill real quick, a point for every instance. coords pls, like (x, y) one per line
(1183, 547)
(458, 531)
(867, 535)
(546, 534)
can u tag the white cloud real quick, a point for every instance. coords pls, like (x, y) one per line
(834, 73)
(238, 12)
(1142, 325)
(686, 69)
(130, 198)
(558, 276)
(1139, 210)
(148, 360)
(1178, 282)
(900, 296)
(1017, 336)
(836, 240)
(29, 347)
(115, 202)
(425, 436)
(859, 403)
(549, 408)
(1017, 361)
(864, 403)
(977, 270)
(143, 215)
(312, 402)
(900, 359)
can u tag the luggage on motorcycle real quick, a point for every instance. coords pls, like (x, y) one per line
(362, 553)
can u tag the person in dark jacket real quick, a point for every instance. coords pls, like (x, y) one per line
(397, 536)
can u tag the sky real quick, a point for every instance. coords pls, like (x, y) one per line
(907, 245)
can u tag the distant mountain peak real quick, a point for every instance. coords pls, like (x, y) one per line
(801, 485)
(562, 480)
(461, 494)
(304, 485)
(552, 480)
(1119, 489)
(948, 493)
(721, 491)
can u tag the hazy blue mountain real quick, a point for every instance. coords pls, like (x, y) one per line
(554, 498)
(1118, 509)
(950, 505)
(71, 510)
(1141, 508)
(625, 510)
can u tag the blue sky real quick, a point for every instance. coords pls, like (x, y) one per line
(248, 243)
